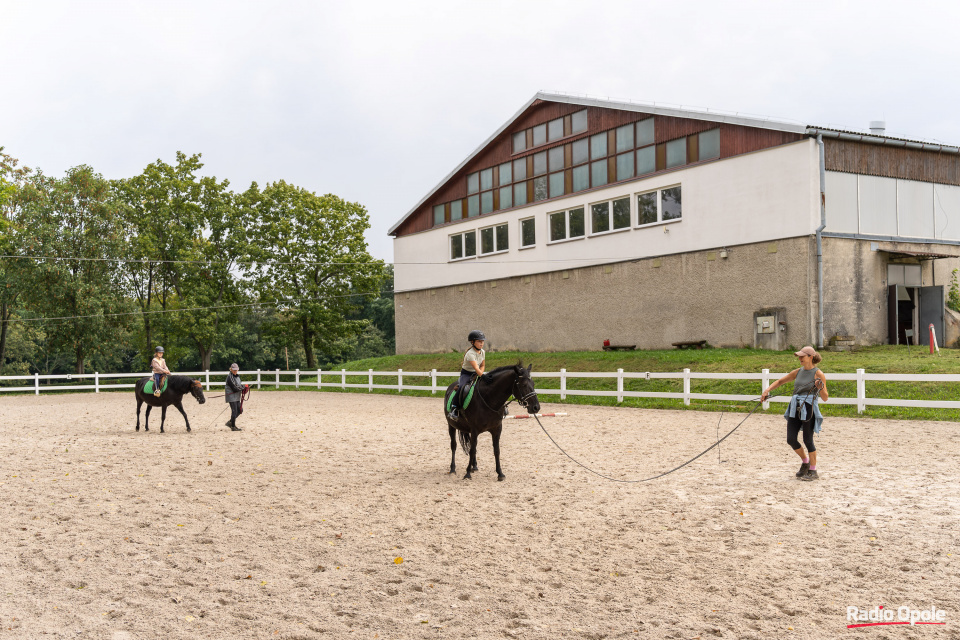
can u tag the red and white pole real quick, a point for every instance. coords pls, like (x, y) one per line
(539, 415)
(933, 340)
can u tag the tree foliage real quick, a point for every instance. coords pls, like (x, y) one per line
(172, 257)
(310, 258)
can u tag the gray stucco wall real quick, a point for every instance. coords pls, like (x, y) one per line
(855, 283)
(650, 303)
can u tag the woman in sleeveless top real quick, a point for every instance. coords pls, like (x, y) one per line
(803, 412)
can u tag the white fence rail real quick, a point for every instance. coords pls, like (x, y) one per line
(337, 379)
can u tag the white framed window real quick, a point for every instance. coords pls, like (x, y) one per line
(610, 215)
(494, 239)
(659, 205)
(463, 245)
(528, 233)
(566, 225)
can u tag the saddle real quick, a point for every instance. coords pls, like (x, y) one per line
(465, 395)
(148, 388)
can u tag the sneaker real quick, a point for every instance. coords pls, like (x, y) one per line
(156, 394)
(453, 415)
(803, 469)
(810, 475)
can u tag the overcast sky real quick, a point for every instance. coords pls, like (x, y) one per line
(377, 101)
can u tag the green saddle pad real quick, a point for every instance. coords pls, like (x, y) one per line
(148, 388)
(466, 403)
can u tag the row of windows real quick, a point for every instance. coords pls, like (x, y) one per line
(550, 131)
(661, 205)
(611, 156)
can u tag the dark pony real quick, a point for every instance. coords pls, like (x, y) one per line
(177, 387)
(486, 411)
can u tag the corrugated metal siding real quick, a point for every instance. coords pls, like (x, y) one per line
(734, 140)
(891, 162)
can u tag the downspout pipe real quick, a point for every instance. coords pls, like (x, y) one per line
(823, 224)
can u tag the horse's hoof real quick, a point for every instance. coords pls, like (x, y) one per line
(467, 477)
(138, 428)
(501, 478)
(451, 472)
(188, 429)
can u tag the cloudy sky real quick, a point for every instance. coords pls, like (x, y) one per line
(377, 101)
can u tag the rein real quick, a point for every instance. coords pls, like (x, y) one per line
(711, 447)
(516, 383)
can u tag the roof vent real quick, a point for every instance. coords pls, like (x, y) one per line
(878, 127)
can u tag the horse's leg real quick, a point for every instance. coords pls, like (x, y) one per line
(139, 403)
(472, 462)
(496, 451)
(163, 416)
(146, 418)
(179, 406)
(453, 450)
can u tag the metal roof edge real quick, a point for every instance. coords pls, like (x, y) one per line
(886, 141)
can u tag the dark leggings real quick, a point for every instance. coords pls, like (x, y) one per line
(234, 411)
(794, 425)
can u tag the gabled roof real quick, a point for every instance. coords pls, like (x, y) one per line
(650, 108)
(682, 112)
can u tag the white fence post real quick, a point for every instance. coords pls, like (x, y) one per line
(36, 384)
(96, 381)
(318, 379)
(278, 380)
(258, 378)
(765, 381)
(208, 379)
(399, 380)
(686, 387)
(433, 381)
(297, 380)
(861, 391)
(370, 381)
(343, 379)
(619, 385)
(563, 384)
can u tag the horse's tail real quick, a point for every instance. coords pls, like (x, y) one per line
(464, 437)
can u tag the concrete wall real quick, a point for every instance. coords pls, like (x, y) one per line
(756, 197)
(855, 283)
(649, 302)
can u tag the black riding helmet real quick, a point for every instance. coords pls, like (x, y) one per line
(158, 350)
(476, 334)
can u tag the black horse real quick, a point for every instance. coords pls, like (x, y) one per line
(177, 387)
(486, 411)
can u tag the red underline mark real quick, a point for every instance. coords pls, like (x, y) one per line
(877, 624)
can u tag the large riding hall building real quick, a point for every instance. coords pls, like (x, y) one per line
(581, 220)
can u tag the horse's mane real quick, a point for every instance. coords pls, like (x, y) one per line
(507, 367)
(180, 383)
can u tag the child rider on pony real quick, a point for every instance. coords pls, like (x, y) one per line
(474, 361)
(159, 367)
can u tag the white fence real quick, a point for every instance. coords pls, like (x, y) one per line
(338, 380)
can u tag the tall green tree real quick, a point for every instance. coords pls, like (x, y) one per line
(11, 181)
(163, 218)
(312, 259)
(210, 281)
(72, 231)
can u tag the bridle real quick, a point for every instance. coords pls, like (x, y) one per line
(521, 400)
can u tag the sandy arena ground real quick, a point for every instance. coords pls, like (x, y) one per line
(333, 516)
